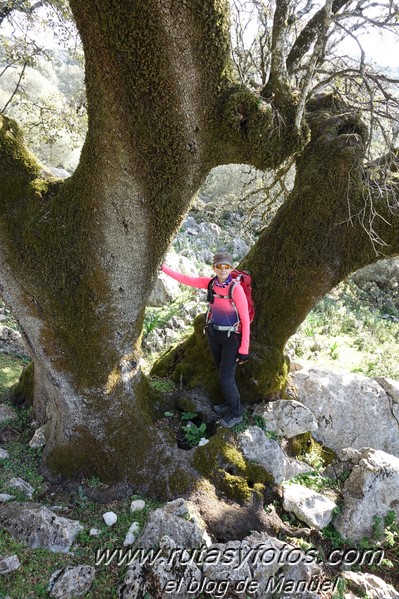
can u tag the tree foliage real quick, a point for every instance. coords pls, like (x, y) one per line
(42, 78)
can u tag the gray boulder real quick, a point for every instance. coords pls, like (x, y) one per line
(228, 574)
(172, 574)
(371, 586)
(273, 562)
(4, 497)
(11, 342)
(307, 505)
(71, 581)
(164, 522)
(257, 447)
(9, 564)
(372, 489)
(351, 410)
(164, 291)
(37, 526)
(286, 418)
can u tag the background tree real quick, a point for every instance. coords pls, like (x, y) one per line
(78, 257)
(41, 83)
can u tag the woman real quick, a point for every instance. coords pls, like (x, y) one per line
(228, 329)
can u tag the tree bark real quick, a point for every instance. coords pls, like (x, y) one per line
(78, 258)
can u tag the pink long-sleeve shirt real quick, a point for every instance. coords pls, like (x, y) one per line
(222, 312)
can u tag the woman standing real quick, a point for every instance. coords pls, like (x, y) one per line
(228, 329)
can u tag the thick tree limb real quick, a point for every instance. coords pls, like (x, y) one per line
(308, 35)
(278, 70)
(311, 66)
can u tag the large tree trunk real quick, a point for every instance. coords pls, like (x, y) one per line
(337, 219)
(78, 258)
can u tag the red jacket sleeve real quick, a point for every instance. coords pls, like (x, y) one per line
(241, 302)
(199, 282)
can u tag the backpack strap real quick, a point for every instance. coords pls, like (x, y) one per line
(211, 296)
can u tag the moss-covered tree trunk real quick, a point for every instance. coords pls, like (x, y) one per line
(339, 217)
(78, 258)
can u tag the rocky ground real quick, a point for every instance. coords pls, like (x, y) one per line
(323, 531)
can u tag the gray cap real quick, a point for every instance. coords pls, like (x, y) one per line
(223, 258)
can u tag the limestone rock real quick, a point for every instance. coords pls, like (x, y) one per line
(272, 559)
(37, 526)
(372, 489)
(94, 532)
(351, 410)
(177, 507)
(20, 485)
(11, 342)
(4, 497)
(71, 582)
(308, 506)
(9, 564)
(7, 413)
(286, 418)
(176, 577)
(131, 534)
(165, 288)
(39, 438)
(137, 504)
(257, 447)
(162, 523)
(110, 518)
(370, 585)
(164, 291)
(228, 573)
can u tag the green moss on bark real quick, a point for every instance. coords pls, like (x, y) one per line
(222, 462)
(191, 362)
(133, 449)
(23, 391)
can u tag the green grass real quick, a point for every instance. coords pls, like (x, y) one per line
(354, 329)
(23, 462)
(10, 371)
(37, 565)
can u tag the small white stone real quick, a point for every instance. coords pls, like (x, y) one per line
(203, 441)
(131, 534)
(9, 564)
(137, 504)
(110, 518)
(94, 532)
(4, 454)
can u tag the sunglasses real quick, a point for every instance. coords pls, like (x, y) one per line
(220, 266)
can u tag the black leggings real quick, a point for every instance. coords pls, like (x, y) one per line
(224, 349)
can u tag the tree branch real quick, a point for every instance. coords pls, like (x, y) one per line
(278, 79)
(15, 89)
(317, 51)
(309, 34)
